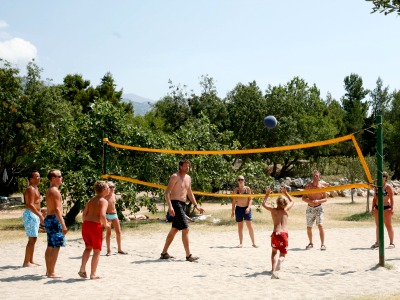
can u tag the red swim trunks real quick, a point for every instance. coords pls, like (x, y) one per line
(280, 241)
(92, 233)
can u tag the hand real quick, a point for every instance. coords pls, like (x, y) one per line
(171, 212)
(232, 215)
(64, 231)
(283, 190)
(267, 190)
(200, 210)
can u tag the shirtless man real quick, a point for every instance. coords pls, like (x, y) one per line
(241, 207)
(32, 216)
(315, 210)
(94, 215)
(178, 189)
(279, 237)
(54, 222)
(112, 219)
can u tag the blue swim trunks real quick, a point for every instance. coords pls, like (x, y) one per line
(31, 223)
(55, 238)
(240, 213)
(111, 216)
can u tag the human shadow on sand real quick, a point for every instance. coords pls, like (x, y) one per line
(23, 278)
(2, 268)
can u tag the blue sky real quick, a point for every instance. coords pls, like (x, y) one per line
(145, 43)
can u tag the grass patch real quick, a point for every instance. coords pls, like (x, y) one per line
(365, 216)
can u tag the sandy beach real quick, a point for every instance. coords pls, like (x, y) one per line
(349, 268)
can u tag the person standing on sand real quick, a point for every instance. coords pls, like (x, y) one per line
(112, 219)
(279, 236)
(32, 217)
(93, 216)
(315, 210)
(178, 189)
(241, 208)
(54, 222)
(388, 210)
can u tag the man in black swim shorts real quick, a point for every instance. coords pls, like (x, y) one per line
(178, 189)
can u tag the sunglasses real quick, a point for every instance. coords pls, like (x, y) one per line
(240, 179)
(112, 187)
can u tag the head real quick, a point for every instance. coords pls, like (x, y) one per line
(316, 175)
(111, 186)
(281, 202)
(184, 165)
(100, 186)
(385, 175)
(240, 179)
(54, 174)
(34, 177)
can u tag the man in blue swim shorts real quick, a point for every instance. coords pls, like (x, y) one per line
(32, 216)
(54, 222)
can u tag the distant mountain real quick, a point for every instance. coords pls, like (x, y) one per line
(140, 104)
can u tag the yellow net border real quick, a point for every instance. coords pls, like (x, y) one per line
(351, 137)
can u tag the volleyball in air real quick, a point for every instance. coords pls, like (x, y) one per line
(270, 122)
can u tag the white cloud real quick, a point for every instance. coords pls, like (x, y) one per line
(3, 24)
(17, 50)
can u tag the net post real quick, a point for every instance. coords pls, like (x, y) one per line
(379, 162)
(105, 156)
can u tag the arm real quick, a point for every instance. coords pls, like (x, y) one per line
(103, 210)
(374, 201)
(85, 211)
(266, 205)
(58, 209)
(291, 201)
(167, 194)
(391, 197)
(29, 203)
(250, 200)
(193, 200)
(305, 197)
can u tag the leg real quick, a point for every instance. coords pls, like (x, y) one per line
(251, 232)
(169, 239)
(309, 234)
(280, 261)
(388, 225)
(51, 256)
(85, 258)
(117, 228)
(108, 239)
(95, 263)
(240, 232)
(274, 254)
(30, 248)
(321, 234)
(185, 241)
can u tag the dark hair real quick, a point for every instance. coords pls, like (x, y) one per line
(30, 175)
(183, 161)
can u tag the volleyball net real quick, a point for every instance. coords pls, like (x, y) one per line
(112, 162)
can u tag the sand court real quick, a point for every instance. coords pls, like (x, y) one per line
(347, 268)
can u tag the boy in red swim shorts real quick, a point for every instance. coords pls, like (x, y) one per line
(279, 237)
(94, 215)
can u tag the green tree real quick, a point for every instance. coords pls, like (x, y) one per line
(392, 135)
(385, 6)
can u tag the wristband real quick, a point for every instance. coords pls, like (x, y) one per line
(195, 206)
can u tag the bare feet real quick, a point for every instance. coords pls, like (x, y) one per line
(27, 265)
(274, 275)
(108, 253)
(82, 274)
(255, 246)
(95, 277)
(122, 252)
(239, 246)
(53, 275)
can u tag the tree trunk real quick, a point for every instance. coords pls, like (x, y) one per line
(70, 217)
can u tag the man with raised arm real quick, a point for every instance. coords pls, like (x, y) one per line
(178, 189)
(54, 222)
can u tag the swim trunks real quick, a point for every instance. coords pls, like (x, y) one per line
(385, 207)
(314, 214)
(280, 241)
(55, 238)
(240, 213)
(92, 234)
(179, 222)
(112, 216)
(31, 223)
